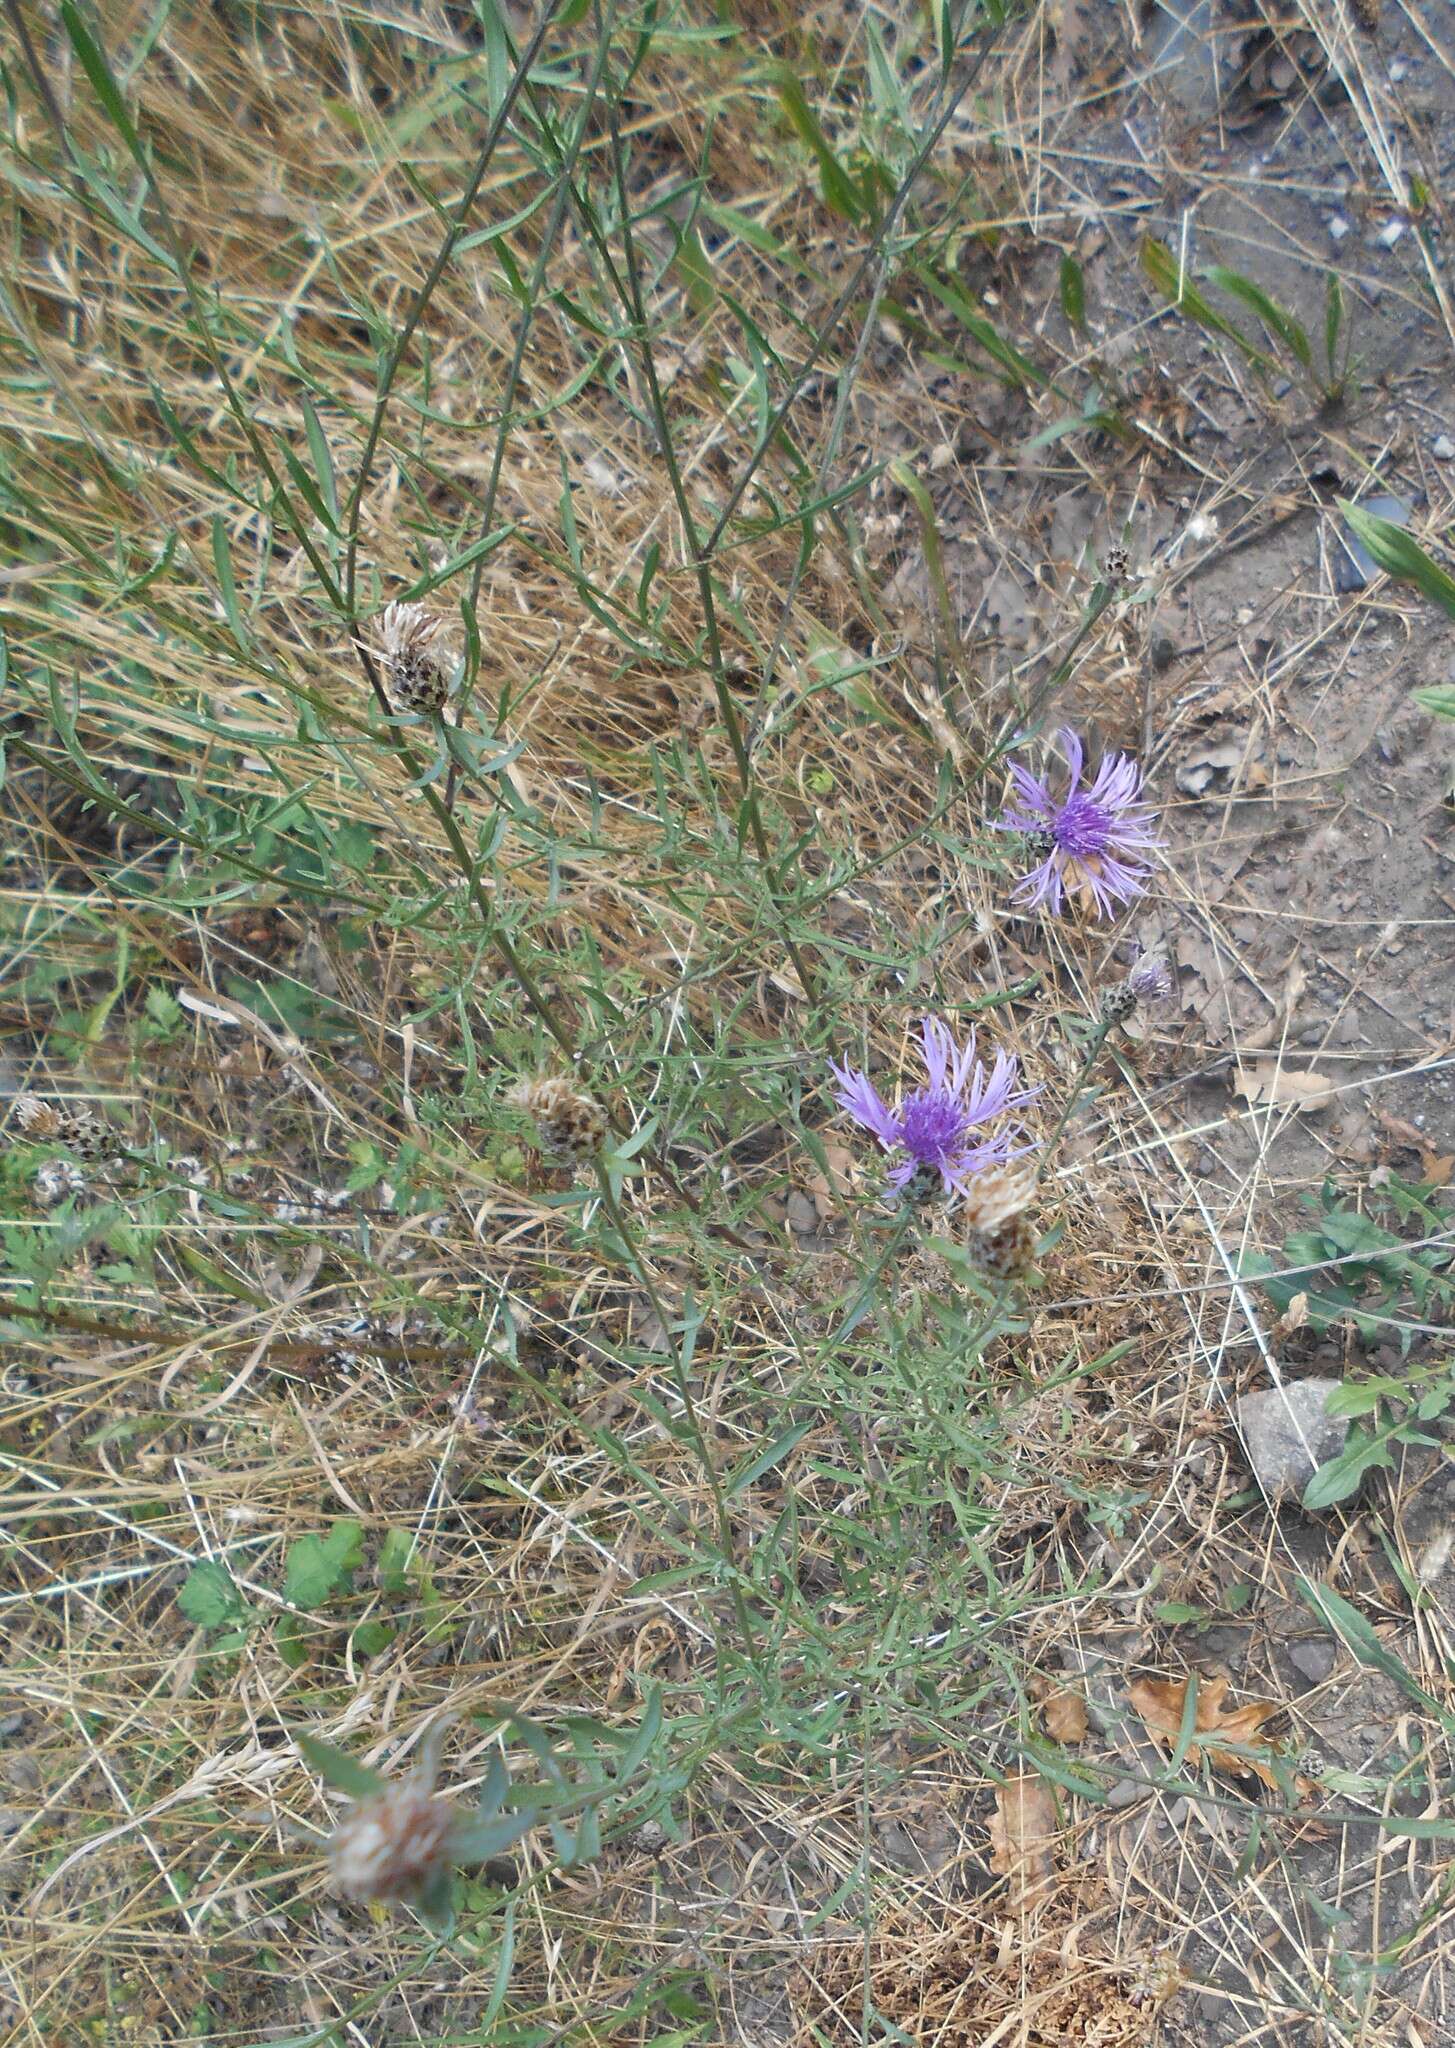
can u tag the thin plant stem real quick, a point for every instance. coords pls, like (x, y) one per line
(422, 298)
(689, 1408)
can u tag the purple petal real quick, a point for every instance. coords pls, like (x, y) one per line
(863, 1102)
(1075, 756)
(939, 1050)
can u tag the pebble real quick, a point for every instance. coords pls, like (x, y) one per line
(1443, 448)
(802, 1215)
(1124, 1792)
(1389, 234)
(1287, 1435)
(1338, 227)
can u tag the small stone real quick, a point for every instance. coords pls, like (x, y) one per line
(1124, 1792)
(1443, 448)
(1287, 1434)
(802, 1215)
(1312, 1658)
(1338, 227)
(1389, 234)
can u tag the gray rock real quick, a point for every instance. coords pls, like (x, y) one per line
(1184, 50)
(1312, 1658)
(1287, 1435)
(1443, 448)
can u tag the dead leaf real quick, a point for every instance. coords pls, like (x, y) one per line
(1023, 1831)
(1294, 1317)
(1063, 1716)
(1162, 1702)
(1203, 767)
(1269, 1082)
(829, 1188)
(1435, 1167)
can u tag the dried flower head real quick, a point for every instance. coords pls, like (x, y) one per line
(1001, 1236)
(417, 667)
(572, 1124)
(392, 1845)
(1115, 562)
(1097, 842)
(36, 1119)
(941, 1128)
(57, 1181)
(49, 1123)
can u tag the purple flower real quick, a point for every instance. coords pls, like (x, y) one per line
(1150, 980)
(935, 1126)
(1097, 839)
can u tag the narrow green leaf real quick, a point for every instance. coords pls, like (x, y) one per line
(1073, 293)
(339, 1769)
(318, 448)
(1163, 271)
(839, 189)
(96, 68)
(1333, 321)
(227, 582)
(465, 559)
(1019, 368)
(764, 1461)
(1274, 318)
(1401, 556)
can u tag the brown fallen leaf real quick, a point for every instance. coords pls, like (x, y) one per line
(829, 1188)
(1161, 1702)
(1271, 1083)
(1063, 1716)
(1023, 1831)
(1435, 1167)
(1294, 1317)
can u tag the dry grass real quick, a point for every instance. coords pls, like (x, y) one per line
(336, 1280)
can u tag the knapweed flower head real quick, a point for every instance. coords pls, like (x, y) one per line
(1147, 985)
(417, 666)
(393, 1845)
(80, 1131)
(943, 1129)
(1096, 842)
(997, 1214)
(571, 1124)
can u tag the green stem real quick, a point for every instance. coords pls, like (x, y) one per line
(689, 1408)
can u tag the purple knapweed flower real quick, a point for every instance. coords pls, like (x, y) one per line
(1147, 986)
(1097, 839)
(1150, 980)
(940, 1128)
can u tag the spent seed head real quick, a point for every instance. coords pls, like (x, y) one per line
(417, 666)
(392, 1845)
(571, 1124)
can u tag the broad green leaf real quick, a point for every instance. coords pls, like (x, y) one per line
(210, 1596)
(318, 1567)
